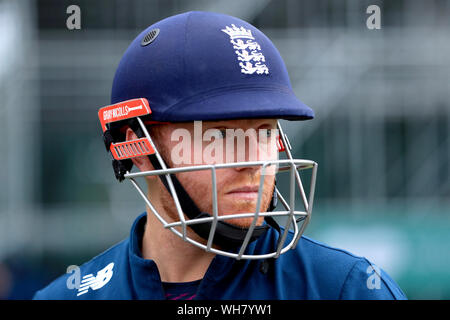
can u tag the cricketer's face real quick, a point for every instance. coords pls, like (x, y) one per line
(188, 144)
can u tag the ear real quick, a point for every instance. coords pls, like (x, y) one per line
(143, 163)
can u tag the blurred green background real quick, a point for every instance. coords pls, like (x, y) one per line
(380, 136)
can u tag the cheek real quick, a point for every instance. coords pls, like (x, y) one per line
(199, 186)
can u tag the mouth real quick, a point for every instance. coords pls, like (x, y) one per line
(244, 193)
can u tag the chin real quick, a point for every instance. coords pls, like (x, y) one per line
(244, 222)
(241, 222)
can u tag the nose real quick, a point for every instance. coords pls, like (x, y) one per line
(248, 169)
(252, 152)
(249, 146)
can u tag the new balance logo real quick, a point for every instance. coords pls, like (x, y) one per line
(96, 282)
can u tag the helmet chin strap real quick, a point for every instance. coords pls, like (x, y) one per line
(226, 235)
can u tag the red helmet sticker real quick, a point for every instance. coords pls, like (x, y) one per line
(123, 110)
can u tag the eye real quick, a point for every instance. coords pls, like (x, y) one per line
(267, 132)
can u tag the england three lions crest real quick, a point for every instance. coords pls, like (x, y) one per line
(248, 51)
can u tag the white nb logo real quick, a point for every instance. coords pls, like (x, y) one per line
(96, 282)
(247, 50)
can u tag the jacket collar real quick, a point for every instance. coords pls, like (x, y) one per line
(145, 276)
(146, 280)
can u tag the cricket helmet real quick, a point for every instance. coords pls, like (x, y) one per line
(203, 66)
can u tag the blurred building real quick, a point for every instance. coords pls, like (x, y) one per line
(381, 133)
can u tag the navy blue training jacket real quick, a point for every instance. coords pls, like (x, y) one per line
(311, 271)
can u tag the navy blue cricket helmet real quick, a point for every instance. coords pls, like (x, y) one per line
(207, 66)
(204, 66)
